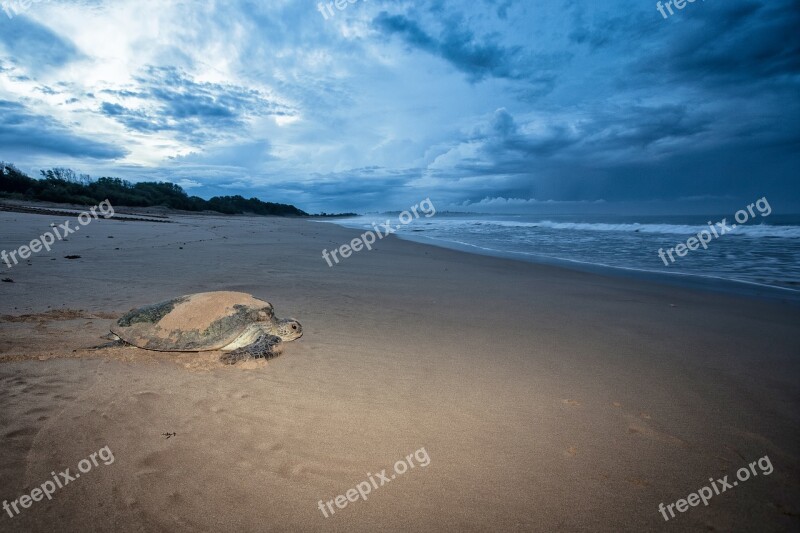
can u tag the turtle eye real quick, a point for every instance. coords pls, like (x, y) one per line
(294, 326)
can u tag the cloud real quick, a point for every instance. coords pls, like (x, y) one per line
(602, 138)
(501, 202)
(189, 184)
(30, 133)
(390, 102)
(458, 45)
(34, 45)
(167, 99)
(732, 44)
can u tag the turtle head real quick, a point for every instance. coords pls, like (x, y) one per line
(289, 329)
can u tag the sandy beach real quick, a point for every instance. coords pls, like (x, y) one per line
(545, 399)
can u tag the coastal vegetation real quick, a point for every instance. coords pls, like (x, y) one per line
(63, 185)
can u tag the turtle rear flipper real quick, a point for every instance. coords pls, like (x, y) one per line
(116, 342)
(265, 346)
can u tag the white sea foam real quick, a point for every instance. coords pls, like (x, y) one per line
(761, 230)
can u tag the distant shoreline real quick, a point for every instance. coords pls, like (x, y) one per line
(152, 213)
(40, 210)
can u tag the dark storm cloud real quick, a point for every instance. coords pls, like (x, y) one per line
(725, 43)
(748, 44)
(479, 58)
(602, 138)
(615, 28)
(736, 46)
(706, 104)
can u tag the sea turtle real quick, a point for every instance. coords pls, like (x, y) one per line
(236, 323)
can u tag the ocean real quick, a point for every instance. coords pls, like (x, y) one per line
(764, 251)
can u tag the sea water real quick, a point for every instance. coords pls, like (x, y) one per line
(763, 252)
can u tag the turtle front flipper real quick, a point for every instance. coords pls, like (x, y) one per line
(265, 346)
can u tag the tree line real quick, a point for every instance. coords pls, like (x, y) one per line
(63, 185)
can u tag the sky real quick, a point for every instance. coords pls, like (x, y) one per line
(479, 105)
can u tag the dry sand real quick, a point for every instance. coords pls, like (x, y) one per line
(546, 399)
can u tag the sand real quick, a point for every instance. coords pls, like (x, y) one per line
(546, 399)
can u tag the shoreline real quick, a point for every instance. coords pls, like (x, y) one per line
(678, 279)
(691, 281)
(684, 280)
